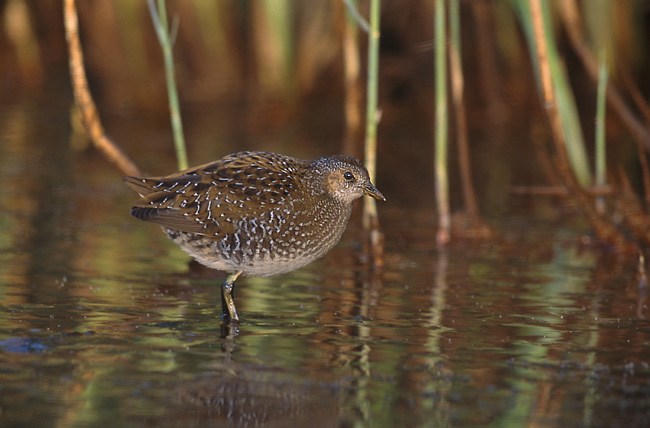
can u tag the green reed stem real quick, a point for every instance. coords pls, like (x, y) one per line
(601, 168)
(275, 45)
(372, 116)
(574, 141)
(601, 164)
(441, 118)
(159, 18)
(354, 12)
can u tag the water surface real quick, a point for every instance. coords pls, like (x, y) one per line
(103, 321)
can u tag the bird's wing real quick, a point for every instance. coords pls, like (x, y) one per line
(212, 199)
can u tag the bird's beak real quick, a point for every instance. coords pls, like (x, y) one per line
(372, 191)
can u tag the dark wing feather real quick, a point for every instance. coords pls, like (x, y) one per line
(212, 199)
(161, 200)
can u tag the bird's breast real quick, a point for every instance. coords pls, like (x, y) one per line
(273, 242)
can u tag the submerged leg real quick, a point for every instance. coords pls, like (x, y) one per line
(227, 300)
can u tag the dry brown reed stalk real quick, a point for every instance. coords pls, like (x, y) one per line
(457, 91)
(83, 98)
(488, 73)
(643, 107)
(628, 205)
(573, 25)
(603, 228)
(626, 201)
(645, 173)
(351, 82)
(477, 227)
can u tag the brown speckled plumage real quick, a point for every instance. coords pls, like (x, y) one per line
(255, 213)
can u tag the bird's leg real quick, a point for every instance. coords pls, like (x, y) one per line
(227, 299)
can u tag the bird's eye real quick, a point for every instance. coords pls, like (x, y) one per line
(348, 176)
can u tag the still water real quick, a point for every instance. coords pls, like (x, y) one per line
(103, 321)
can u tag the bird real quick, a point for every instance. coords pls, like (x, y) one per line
(254, 213)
